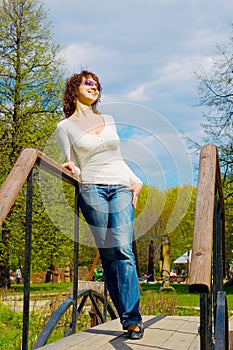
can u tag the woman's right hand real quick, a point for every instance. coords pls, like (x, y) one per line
(70, 166)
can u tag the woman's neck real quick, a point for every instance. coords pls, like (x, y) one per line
(83, 111)
(83, 108)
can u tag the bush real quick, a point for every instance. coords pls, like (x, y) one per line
(10, 328)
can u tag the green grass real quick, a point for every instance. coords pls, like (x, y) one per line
(41, 288)
(177, 302)
(10, 328)
(184, 298)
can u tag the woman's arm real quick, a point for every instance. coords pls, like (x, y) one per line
(64, 143)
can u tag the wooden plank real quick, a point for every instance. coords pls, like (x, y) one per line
(18, 175)
(168, 333)
(56, 169)
(15, 181)
(201, 265)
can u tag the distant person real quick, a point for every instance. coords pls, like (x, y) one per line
(151, 260)
(184, 275)
(109, 191)
(48, 277)
(55, 273)
(173, 273)
(67, 272)
(18, 276)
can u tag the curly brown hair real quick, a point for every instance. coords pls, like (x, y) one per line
(71, 89)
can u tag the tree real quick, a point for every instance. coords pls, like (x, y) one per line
(216, 95)
(31, 81)
(172, 214)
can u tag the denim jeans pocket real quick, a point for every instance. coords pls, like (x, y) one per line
(85, 187)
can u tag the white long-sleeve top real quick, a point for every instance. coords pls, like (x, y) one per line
(97, 157)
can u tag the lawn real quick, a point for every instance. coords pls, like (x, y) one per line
(184, 298)
(177, 301)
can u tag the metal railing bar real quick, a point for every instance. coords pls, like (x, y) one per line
(53, 321)
(81, 305)
(76, 250)
(222, 331)
(51, 324)
(217, 252)
(105, 301)
(205, 321)
(28, 238)
(96, 307)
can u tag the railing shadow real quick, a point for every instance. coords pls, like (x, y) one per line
(208, 253)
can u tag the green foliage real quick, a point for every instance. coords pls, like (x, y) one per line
(229, 222)
(32, 78)
(11, 324)
(173, 216)
(181, 237)
(215, 89)
(10, 328)
(158, 304)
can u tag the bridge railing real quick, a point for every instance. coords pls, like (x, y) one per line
(20, 173)
(208, 253)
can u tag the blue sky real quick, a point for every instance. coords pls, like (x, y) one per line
(145, 53)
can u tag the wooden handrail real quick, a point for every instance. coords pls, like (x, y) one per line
(18, 175)
(209, 181)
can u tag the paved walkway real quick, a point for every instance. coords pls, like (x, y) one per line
(166, 333)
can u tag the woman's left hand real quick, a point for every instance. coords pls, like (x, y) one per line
(136, 188)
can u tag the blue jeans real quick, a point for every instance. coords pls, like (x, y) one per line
(109, 212)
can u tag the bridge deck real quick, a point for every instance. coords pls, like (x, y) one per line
(170, 332)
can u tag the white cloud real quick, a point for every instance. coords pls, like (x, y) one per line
(173, 77)
(139, 94)
(145, 51)
(79, 55)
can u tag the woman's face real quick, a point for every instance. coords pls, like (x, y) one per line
(88, 91)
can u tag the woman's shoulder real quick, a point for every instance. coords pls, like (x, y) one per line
(62, 123)
(108, 118)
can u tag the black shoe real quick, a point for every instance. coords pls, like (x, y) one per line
(135, 331)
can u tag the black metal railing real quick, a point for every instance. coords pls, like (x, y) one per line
(208, 253)
(21, 172)
(85, 296)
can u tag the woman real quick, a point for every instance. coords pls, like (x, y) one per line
(108, 191)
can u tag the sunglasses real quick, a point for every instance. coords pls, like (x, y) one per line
(92, 83)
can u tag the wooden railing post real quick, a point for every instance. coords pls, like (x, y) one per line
(208, 252)
(201, 265)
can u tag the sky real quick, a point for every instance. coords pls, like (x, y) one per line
(145, 53)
